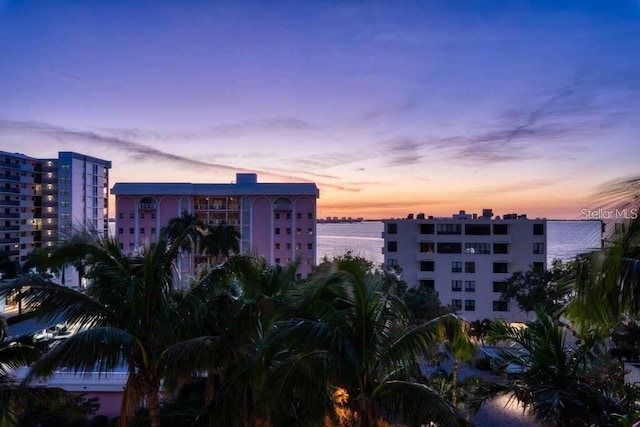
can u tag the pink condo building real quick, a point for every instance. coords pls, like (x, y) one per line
(276, 220)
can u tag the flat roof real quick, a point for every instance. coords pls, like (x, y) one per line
(237, 189)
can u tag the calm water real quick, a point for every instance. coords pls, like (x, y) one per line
(565, 239)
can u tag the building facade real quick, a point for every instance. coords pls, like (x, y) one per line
(43, 200)
(466, 258)
(275, 220)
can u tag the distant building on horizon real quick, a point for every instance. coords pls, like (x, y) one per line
(466, 258)
(276, 220)
(43, 199)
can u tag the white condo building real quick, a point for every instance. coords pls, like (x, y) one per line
(43, 200)
(466, 258)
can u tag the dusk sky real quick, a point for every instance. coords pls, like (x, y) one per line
(390, 107)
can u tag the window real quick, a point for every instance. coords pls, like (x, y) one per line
(500, 306)
(277, 260)
(456, 266)
(153, 230)
(392, 246)
(309, 245)
(456, 285)
(449, 248)
(500, 287)
(449, 229)
(288, 215)
(298, 246)
(298, 231)
(142, 230)
(310, 231)
(427, 247)
(121, 246)
(277, 215)
(65, 203)
(477, 248)
(500, 248)
(477, 229)
(309, 215)
(392, 228)
(288, 245)
(500, 228)
(469, 267)
(153, 215)
(309, 261)
(538, 248)
(288, 230)
(469, 285)
(469, 305)
(392, 262)
(121, 230)
(500, 267)
(277, 230)
(131, 215)
(428, 284)
(141, 215)
(538, 229)
(538, 266)
(131, 230)
(427, 265)
(299, 215)
(121, 215)
(456, 304)
(426, 228)
(277, 245)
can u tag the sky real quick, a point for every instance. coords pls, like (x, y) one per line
(390, 107)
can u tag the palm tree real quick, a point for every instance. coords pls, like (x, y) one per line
(561, 385)
(192, 228)
(459, 348)
(348, 335)
(236, 392)
(220, 240)
(14, 399)
(607, 281)
(129, 315)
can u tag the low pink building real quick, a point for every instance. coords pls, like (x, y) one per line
(276, 220)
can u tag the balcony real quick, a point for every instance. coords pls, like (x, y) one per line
(10, 202)
(282, 206)
(9, 190)
(12, 165)
(425, 256)
(14, 240)
(9, 215)
(11, 228)
(15, 178)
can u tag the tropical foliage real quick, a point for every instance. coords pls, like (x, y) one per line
(561, 384)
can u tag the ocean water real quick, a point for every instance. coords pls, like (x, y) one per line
(565, 239)
(361, 238)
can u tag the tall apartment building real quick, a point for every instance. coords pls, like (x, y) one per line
(42, 200)
(276, 220)
(466, 258)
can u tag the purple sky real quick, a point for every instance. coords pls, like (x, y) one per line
(391, 107)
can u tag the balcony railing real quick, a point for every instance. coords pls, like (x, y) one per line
(10, 177)
(9, 215)
(10, 202)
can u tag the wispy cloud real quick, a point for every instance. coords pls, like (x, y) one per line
(579, 109)
(269, 125)
(98, 141)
